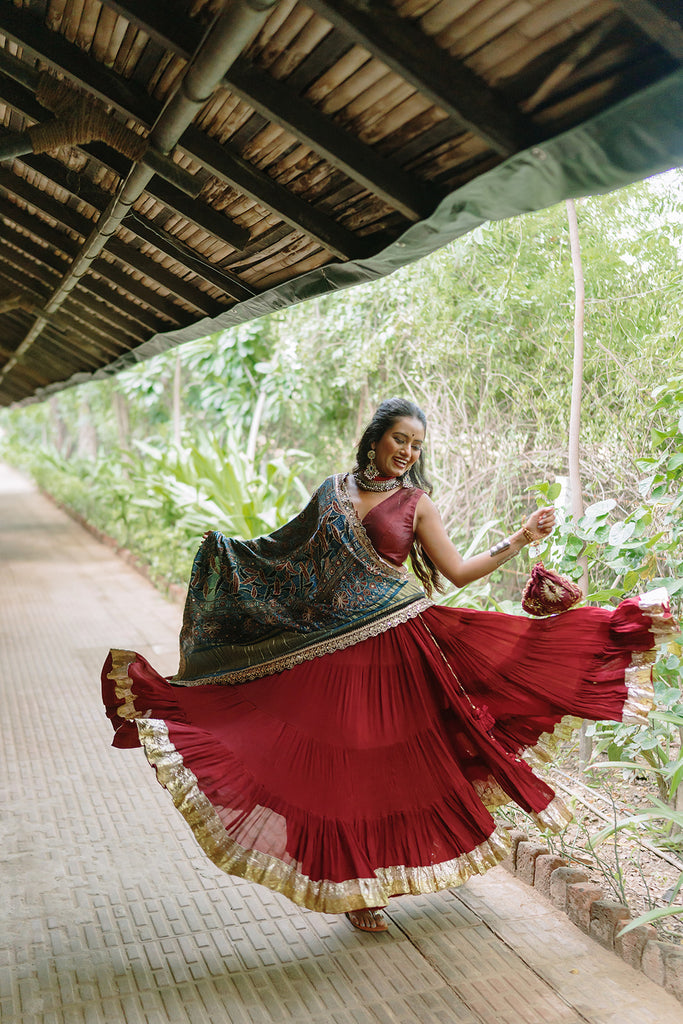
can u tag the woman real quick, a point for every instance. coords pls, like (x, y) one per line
(373, 731)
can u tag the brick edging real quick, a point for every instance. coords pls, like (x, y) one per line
(584, 903)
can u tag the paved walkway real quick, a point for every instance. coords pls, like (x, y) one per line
(109, 911)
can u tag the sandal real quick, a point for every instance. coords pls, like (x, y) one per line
(379, 925)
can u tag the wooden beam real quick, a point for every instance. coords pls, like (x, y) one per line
(193, 210)
(78, 185)
(234, 169)
(126, 253)
(278, 102)
(132, 257)
(31, 248)
(168, 25)
(88, 284)
(80, 188)
(108, 271)
(111, 272)
(79, 346)
(416, 58)
(660, 20)
(40, 228)
(51, 207)
(82, 70)
(133, 102)
(177, 250)
(215, 223)
(30, 280)
(28, 268)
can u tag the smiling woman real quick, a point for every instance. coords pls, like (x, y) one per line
(374, 730)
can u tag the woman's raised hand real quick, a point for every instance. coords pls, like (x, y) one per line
(540, 523)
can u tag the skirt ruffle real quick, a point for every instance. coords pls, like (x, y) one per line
(372, 771)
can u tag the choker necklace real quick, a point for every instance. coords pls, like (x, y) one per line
(386, 483)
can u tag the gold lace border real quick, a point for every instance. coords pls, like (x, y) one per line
(324, 896)
(123, 686)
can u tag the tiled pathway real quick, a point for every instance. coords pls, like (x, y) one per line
(110, 913)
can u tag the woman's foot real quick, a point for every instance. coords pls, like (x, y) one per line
(368, 919)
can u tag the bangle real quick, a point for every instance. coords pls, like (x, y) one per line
(498, 548)
(528, 535)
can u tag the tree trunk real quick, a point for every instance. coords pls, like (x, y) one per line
(58, 428)
(122, 420)
(177, 396)
(86, 444)
(575, 488)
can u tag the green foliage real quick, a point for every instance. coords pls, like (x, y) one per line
(629, 550)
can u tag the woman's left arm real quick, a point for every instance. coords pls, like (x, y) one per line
(431, 533)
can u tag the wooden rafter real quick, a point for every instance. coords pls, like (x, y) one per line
(447, 82)
(279, 103)
(661, 20)
(133, 102)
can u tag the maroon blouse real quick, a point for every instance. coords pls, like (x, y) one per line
(389, 525)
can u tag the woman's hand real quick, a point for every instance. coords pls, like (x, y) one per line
(540, 524)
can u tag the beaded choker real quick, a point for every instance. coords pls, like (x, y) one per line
(382, 483)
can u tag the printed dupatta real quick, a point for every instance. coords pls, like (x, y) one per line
(314, 586)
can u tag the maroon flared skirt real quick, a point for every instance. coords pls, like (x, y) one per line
(372, 771)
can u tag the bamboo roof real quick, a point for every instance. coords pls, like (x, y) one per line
(167, 169)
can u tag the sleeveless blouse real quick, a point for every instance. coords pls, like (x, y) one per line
(389, 525)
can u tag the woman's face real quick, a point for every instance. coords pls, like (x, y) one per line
(399, 447)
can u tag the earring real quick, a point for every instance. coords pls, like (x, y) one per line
(370, 471)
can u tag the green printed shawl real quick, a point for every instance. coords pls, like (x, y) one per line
(315, 585)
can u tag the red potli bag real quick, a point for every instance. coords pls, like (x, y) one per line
(547, 593)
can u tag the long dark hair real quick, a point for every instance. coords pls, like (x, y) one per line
(386, 414)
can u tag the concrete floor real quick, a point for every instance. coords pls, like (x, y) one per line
(111, 913)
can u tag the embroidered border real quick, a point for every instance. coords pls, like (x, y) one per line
(316, 650)
(349, 510)
(280, 876)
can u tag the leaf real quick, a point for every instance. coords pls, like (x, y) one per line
(627, 764)
(676, 780)
(667, 716)
(600, 509)
(675, 462)
(620, 533)
(658, 811)
(605, 595)
(651, 915)
(645, 484)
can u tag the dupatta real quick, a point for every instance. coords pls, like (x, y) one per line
(312, 587)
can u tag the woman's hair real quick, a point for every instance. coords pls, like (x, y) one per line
(386, 414)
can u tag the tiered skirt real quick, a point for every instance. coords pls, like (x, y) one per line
(372, 771)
